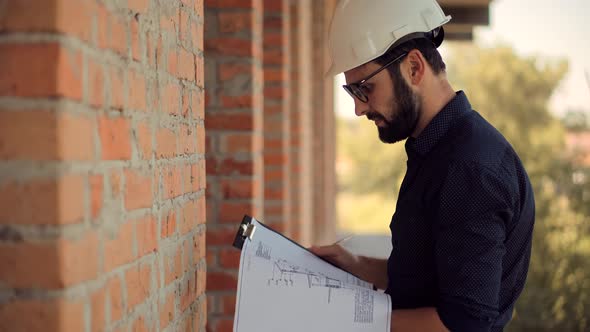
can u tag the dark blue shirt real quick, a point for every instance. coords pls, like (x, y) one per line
(462, 229)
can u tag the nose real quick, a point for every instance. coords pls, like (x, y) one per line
(360, 108)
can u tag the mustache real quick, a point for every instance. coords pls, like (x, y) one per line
(374, 116)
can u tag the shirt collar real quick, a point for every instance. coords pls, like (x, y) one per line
(438, 126)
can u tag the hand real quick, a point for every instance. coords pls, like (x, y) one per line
(338, 256)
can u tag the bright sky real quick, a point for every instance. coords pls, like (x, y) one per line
(546, 28)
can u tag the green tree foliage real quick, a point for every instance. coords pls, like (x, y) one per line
(512, 92)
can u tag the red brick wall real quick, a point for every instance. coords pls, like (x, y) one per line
(277, 114)
(301, 120)
(234, 120)
(102, 205)
(324, 131)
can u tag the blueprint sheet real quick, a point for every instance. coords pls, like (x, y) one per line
(283, 287)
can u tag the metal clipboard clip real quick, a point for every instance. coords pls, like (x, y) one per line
(245, 231)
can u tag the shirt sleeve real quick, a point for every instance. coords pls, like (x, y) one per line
(475, 207)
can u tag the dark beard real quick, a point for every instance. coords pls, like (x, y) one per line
(405, 119)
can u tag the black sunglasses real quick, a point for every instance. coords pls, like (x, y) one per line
(356, 89)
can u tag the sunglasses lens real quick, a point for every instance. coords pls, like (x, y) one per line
(355, 92)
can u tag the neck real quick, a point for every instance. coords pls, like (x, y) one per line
(438, 93)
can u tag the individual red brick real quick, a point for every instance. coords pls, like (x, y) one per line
(49, 265)
(243, 101)
(229, 258)
(68, 17)
(197, 320)
(232, 70)
(273, 39)
(140, 324)
(186, 107)
(231, 166)
(166, 310)
(200, 68)
(173, 62)
(115, 291)
(277, 7)
(201, 211)
(189, 217)
(171, 100)
(274, 75)
(117, 91)
(138, 191)
(97, 307)
(228, 302)
(228, 46)
(276, 57)
(273, 144)
(220, 235)
(171, 182)
(233, 4)
(273, 193)
(237, 143)
(45, 135)
(236, 188)
(229, 121)
(42, 315)
(144, 140)
(43, 202)
(274, 159)
(196, 244)
(96, 83)
(40, 70)
(138, 282)
(186, 65)
(118, 38)
(166, 143)
(232, 212)
(189, 178)
(193, 177)
(274, 92)
(168, 224)
(137, 91)
(201, 140)
(147, 237)
(118, 248)
(232, 22)
(135, 40)
(115, 138)
(188, 292)
(172, 265)
(188, 139)
(273, 175)
(195, 38)
(184, 26)
(96, 194)
(220, 281)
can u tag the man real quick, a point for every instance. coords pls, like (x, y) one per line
(462, 228)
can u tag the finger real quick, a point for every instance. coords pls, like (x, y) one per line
(327, 251)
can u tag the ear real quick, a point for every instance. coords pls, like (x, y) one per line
(416, 67)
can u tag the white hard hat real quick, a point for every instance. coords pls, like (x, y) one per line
(362, 30)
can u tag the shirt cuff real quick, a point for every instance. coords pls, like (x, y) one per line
(457, 318)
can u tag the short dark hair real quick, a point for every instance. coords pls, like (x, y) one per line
(425, 46)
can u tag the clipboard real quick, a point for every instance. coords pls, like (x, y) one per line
(274, 268)
(246, 231)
